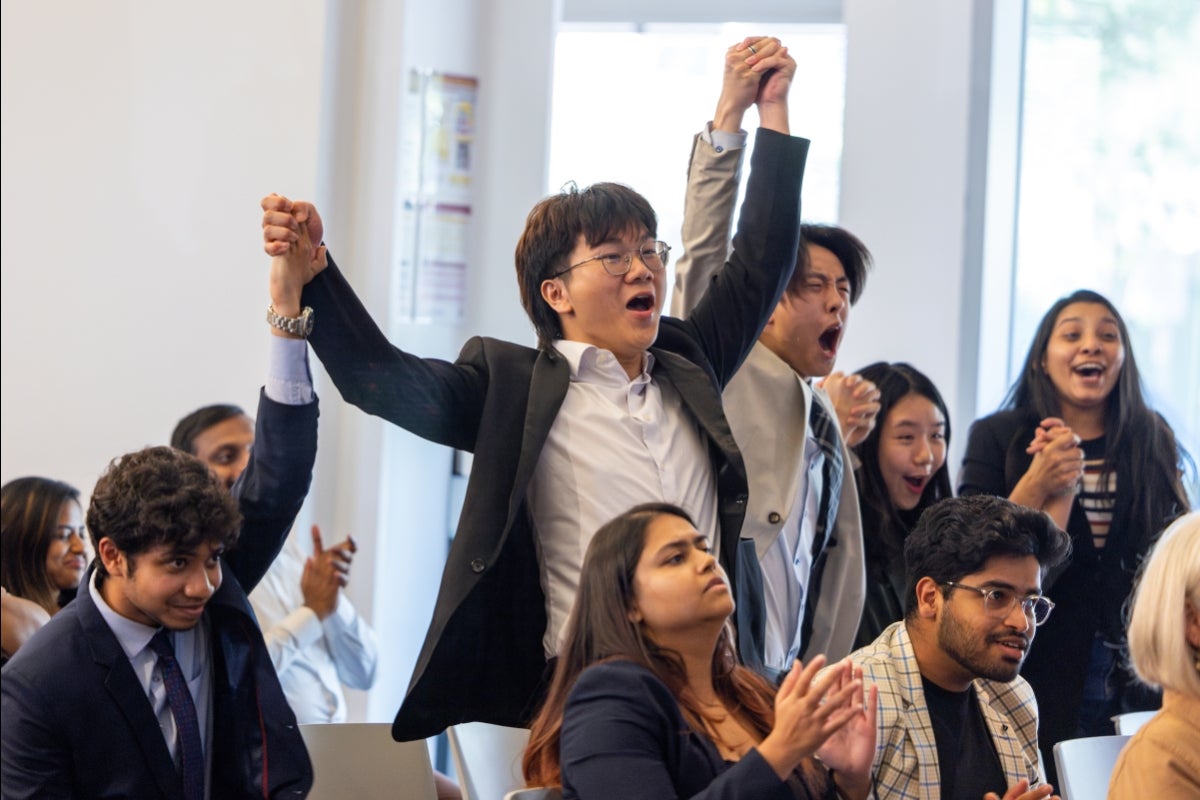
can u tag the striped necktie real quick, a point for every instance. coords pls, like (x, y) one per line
(832, 473)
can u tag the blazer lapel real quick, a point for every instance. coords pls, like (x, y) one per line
(127, 694)
(700, 398)
(916, 716)
(1012, 759)
(547, 389)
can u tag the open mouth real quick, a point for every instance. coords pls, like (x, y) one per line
(829, 339)
(641, 302)
(916, 482)
(1089, 370)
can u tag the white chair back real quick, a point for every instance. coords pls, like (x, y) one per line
(1128, 724)
(487, 758)
(1085, 765)
(534, 794)
(361, 760)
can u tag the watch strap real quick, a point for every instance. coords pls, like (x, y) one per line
(297, 326)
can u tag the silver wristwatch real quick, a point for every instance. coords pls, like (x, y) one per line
(297, 326)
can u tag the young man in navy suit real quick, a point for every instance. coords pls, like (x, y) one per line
(154, 682)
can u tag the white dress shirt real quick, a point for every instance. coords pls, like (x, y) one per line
(615, 443)
(787, 564)
(313, 657)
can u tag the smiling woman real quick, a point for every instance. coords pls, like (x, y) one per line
(43, 547)
(1078, 440)
(901, 472)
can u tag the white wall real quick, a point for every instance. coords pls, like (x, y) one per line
(374, 46)
(137, 140)
(904, 188)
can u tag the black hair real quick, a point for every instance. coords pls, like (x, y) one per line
(957, 536)
(160, 495)
(187, 429)
(848, 248)
(598, 213)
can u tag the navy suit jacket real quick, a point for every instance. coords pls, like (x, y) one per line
(483, 657)
(623, 735)
(76, 721)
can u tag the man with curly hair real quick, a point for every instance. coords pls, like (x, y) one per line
(155, 681)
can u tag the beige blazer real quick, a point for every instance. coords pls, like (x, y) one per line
(767, 405)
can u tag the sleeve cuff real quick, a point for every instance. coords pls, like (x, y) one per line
(343, 614)
(289, 380)
(721, 140)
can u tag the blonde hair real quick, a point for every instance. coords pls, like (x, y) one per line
(1170, 581)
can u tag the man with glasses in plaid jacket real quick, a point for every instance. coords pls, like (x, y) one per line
(955, 719)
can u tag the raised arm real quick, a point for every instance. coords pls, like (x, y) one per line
(434, 399)
(739, 298)
(714, 169)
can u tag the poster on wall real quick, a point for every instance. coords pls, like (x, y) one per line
(436, 164)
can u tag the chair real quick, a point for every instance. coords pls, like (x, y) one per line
(1085, 765)
(487, 759)
(534, 794)
(1128, 723)
(361, 760)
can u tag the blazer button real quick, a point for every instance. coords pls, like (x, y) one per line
(740, 500)
(774, 518)
(477, 565)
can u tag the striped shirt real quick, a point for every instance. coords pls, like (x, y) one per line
(1098, 492)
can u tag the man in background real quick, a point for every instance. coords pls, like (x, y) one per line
(316, 638)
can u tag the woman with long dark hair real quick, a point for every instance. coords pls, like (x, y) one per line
(901, 471)
(648, 699)
(43, 554)
(1077, 439)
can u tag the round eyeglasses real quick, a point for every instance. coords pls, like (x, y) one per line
(654, 256)
(998, 602)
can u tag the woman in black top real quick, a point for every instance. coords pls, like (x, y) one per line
(1076, 439)
(901, 471)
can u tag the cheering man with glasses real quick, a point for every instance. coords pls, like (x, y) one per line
(617, 406)
(955, 719)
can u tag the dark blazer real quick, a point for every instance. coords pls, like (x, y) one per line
(624, 736)
(1089, 591)
(76, 721)
(483, 657)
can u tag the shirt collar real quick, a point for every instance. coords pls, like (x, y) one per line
(591, 364)
(133, 636)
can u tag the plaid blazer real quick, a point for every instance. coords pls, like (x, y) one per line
(906, 759)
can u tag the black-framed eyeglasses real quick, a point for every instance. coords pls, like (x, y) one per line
(654, 256)
(998, 602)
